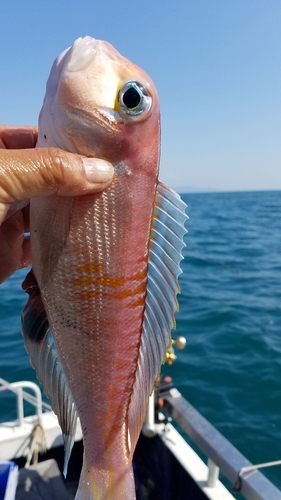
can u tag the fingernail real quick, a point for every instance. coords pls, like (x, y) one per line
(98, 170)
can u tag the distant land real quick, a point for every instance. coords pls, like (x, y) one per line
(195, 189)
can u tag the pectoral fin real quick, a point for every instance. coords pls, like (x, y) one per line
(41, 348)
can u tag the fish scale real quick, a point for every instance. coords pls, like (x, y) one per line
(102, 293)
(109, 308)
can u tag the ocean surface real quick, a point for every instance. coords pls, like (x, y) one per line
(230, 314)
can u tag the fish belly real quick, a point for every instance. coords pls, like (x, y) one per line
(90, 261)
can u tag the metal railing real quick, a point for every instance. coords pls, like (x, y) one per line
(222, 455)
(36, 400)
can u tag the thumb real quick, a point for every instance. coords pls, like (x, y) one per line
(28, 173)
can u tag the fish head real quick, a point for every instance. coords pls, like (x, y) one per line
(100, 104)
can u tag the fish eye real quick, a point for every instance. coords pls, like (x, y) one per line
(134, 99)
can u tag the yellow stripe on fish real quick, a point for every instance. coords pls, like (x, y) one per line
(106, 286)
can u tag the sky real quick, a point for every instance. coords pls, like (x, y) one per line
(216, 65)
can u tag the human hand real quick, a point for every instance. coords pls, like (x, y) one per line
(26, 172)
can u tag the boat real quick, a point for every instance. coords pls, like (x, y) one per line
(167, 465)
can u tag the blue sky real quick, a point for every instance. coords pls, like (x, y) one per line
(216, 64)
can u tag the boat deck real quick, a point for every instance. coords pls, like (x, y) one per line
(166, 467)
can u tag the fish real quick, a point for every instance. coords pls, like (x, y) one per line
(104, 283)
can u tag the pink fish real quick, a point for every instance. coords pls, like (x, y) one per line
(99, 317)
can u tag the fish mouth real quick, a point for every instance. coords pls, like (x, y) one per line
(82, 53)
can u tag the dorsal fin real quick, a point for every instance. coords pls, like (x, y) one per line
(41, 348)
(166, 243)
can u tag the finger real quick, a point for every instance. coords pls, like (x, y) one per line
(18, 137)
(15, 248)
(11, 239)
(42, 172)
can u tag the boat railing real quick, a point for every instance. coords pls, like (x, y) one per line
(35, 400)
(221, 454)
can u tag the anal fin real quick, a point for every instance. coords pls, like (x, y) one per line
(41, 348)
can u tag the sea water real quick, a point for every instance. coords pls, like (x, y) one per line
(230, 314)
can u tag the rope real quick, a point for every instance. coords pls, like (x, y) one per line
(37, 444)
(247, 471)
